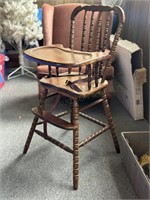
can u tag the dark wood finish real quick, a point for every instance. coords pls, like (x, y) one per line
(56, 121)
(54, 141)
(75, 120)
(110, 120)
(32, 130)
(58, 84)
(81, 85)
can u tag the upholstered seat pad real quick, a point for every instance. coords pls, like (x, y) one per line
(58, 84)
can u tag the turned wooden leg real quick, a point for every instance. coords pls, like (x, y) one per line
(75, 119)
(29, 138)
(42, 98)
(110, 121)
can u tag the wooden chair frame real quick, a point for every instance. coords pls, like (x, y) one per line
(94, 71)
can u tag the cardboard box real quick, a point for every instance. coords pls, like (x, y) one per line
(2, 71)
(133, 146)
(130, 75)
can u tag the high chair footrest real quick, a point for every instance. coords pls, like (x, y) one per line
(52, 119)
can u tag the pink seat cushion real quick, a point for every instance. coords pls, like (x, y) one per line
(61, 25)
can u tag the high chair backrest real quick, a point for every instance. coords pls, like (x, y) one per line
(92, 26)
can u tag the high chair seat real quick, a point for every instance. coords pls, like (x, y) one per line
(77, 87)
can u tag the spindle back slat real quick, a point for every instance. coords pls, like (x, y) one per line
(91, 32)
(98, 44)
(84, 31)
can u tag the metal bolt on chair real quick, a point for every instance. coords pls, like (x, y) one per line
(92, 61)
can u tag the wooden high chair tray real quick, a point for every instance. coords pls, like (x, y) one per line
(54, 55)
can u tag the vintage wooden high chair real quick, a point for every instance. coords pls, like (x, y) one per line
(92, 63)
(56, 30)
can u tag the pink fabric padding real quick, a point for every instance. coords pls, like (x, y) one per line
(47, 20)
(61, 28)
